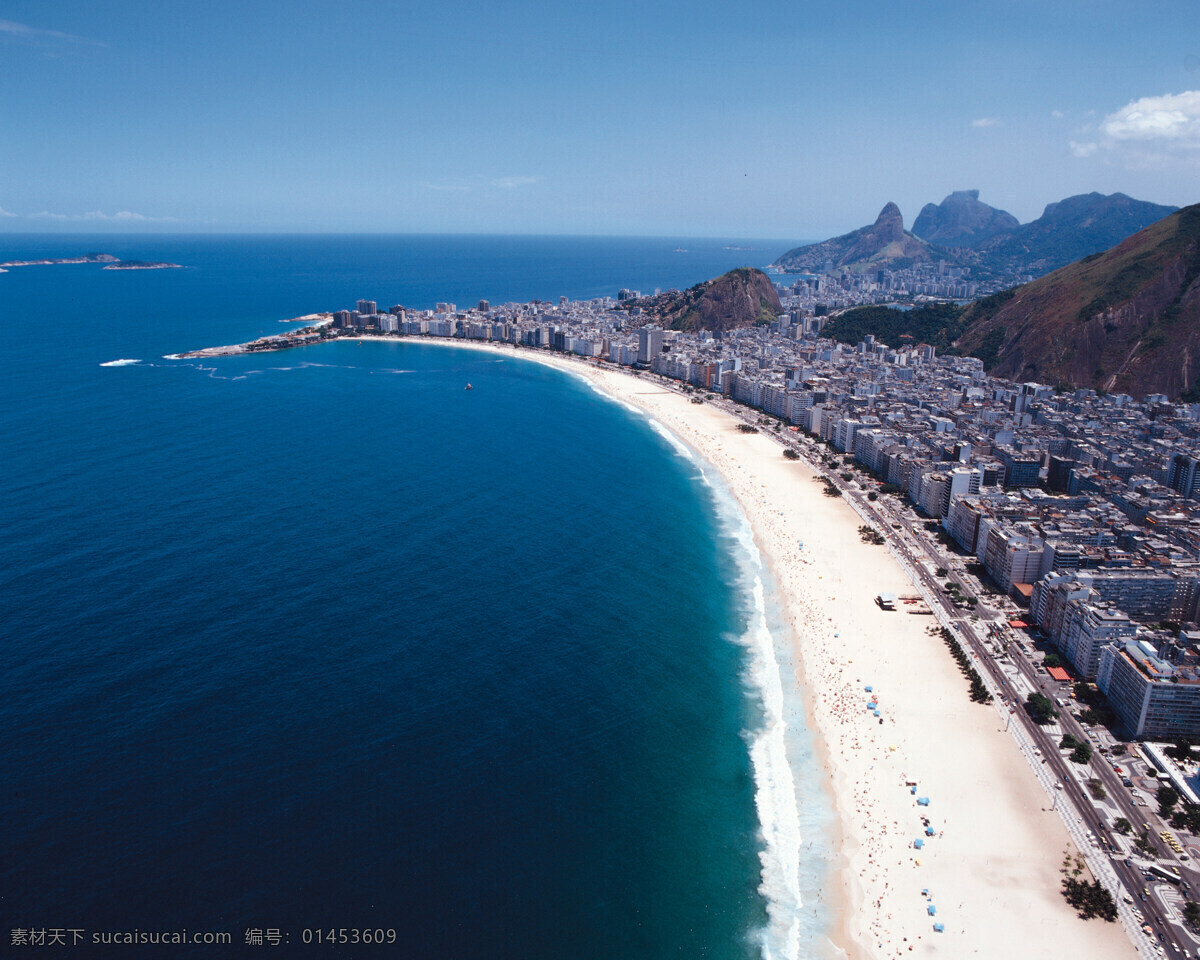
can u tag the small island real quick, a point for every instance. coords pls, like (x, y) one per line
(47, 261)
(141, 265)
(110, 262)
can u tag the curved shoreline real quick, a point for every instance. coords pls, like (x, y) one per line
(836, 902)
(998, 846)
(991, 866)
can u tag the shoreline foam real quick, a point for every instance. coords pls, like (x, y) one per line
(767, 643)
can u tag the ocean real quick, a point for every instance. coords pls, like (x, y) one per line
(306, 644)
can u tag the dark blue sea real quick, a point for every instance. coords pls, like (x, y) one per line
(318, 642)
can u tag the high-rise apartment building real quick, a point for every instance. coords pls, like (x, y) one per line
(650, 341)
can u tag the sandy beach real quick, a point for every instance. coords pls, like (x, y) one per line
(991, 867)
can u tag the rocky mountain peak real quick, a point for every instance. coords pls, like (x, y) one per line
(889, 225)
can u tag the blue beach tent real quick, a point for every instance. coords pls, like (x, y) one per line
(923, 801)
(932, 910)
(929, 831)
(919, 843)
(869, 689)
(939, 928)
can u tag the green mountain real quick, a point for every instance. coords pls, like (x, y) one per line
(740, 298)
(1125, 320)
(938, 324)
(1068, 231)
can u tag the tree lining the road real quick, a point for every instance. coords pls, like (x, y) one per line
(1089, 898)
(979, 690)
(1186, 818)
(1040, 708)
(1081, 750)
(1191, 916)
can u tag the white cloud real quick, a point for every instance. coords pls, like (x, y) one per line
(1174, 118)
(477, 181)
(5, 213)
(508, 183)
(121, 216)
(985, 122)
(1057, 114)
(1148, 133)
(14, 29)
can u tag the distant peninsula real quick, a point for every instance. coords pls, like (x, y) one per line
(111, 262)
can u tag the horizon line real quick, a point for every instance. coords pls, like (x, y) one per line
(388, 233)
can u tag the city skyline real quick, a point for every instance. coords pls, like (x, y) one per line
(781, 121)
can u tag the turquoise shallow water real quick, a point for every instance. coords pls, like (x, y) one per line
(319, 639)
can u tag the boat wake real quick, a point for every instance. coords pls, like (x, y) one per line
(123, 362)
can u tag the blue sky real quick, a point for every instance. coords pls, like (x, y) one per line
(752, 119)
